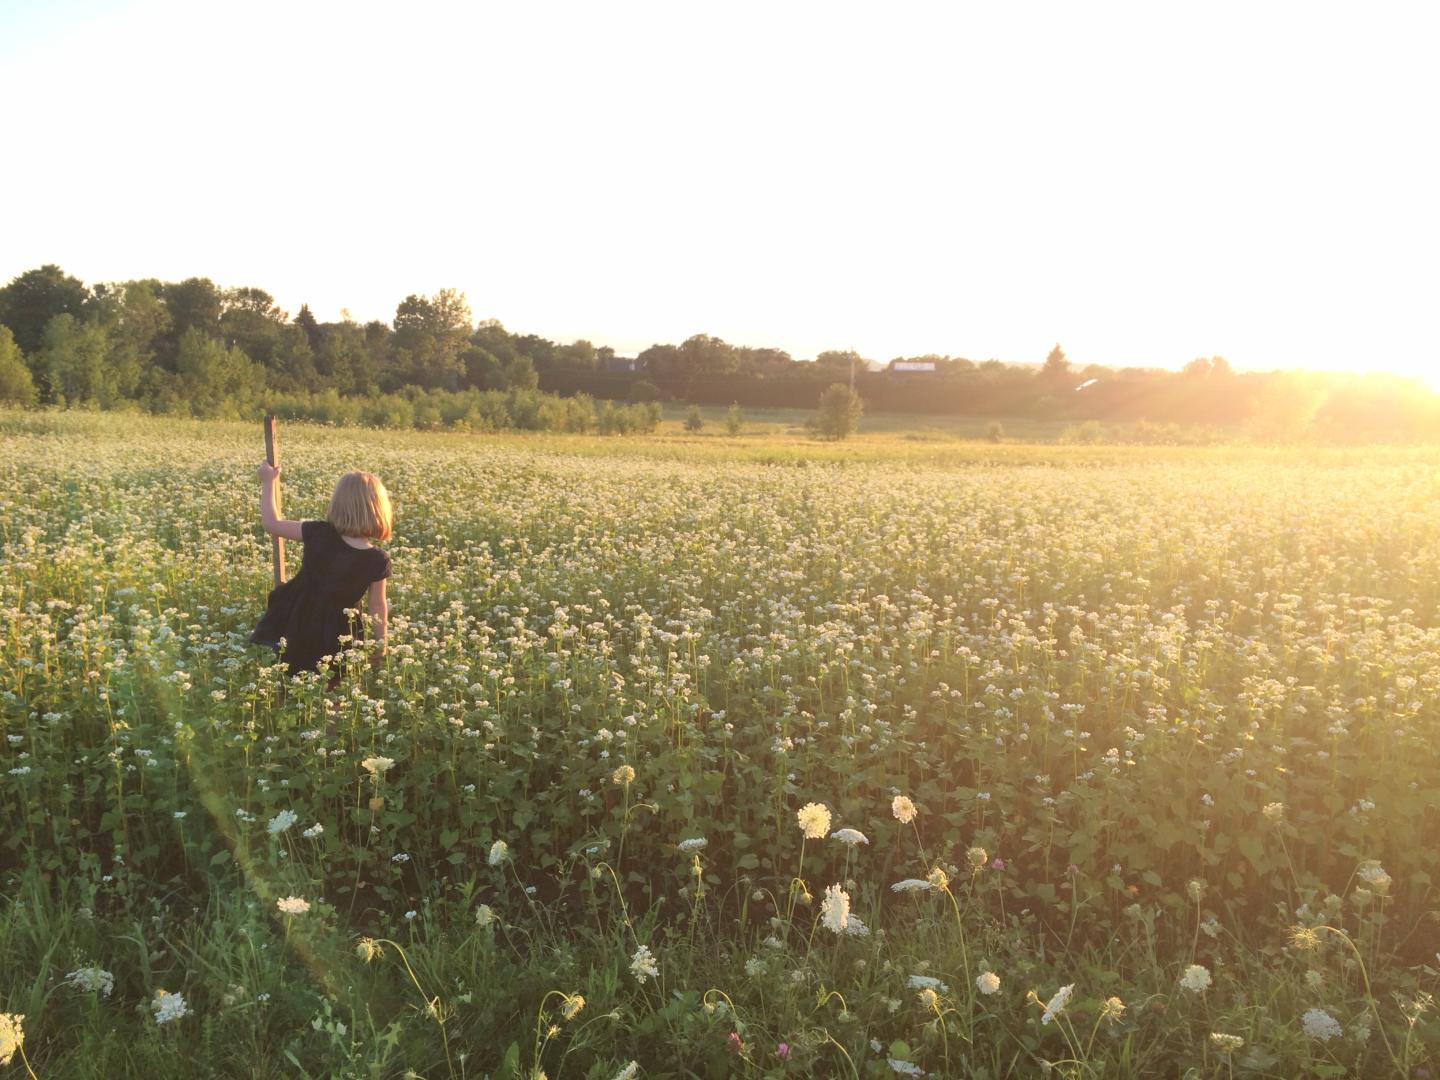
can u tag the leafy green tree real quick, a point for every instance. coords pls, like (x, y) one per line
(252, 322)
(706, 355)
(213, 380)
(839, 412)
(194, 304)
(693, 420)
(643, 390)
(579, 356)
(659, 360)
(81, 366)
(141, 319)
(308, 325)
(841, 361)
(1056, 369)
(520, 374)
(31, 300)
(734, 419)
(17, 387)
(429, 335)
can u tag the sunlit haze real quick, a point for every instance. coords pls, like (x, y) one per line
(1142, 183)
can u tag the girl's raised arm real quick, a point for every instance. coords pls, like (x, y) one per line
(379, 619)
(270, 517)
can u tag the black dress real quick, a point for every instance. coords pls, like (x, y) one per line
(308, 611)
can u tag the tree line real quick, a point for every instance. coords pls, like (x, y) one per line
(195, 348)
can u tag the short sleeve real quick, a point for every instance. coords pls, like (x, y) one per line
(311, 531)
(382, 566)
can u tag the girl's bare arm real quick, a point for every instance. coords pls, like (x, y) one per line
(270, 517)
(379, 618)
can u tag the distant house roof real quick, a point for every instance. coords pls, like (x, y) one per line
(913, 365)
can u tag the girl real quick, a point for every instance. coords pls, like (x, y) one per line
(338, 567)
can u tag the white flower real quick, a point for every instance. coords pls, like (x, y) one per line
(987, 983)
(849, 836)
(629, 1072)
(168, 1007)
(912, 885)
(903, 809)
(1226, 1043)
(905, 1068)
(12, 1035)
(377, 766)
(411, 916)
(1057, 1004)
(280, 822)
(856, 928)
(1374, 875)
(927, 982)
(499, 852)
(835, 909)
(695, 843)
(642, 965)
(91, 979)
(484, 915)
(1196, 978)
(400, 857)
(1321, 1025)
(293, 905)
(814, 819)
(313, 831)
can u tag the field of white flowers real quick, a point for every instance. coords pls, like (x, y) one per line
(683, 764)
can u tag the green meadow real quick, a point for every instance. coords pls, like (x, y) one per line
(699, 755)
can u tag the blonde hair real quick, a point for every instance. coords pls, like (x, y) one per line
(360, 507)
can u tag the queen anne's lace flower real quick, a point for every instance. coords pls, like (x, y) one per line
(643, 966)
(499, 852)
(814, 819)
(168, 1007)
(91, 980)
(1196, 978)
(281, 821)
(927, 982)
(903, 809)
(293, 905)
(1056, 1005)
(912, 885)
(1319, 1024)
(849, 836)
(835, 909)
(12, 1035)
(987, 982)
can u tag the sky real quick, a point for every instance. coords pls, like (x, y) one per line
(1143, 183)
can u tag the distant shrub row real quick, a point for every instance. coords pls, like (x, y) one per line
(471, 410)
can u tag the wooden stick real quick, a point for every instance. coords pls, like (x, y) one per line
(272, 455)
